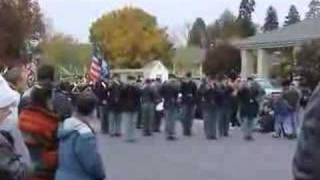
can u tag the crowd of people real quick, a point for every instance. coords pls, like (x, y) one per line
(46, 131)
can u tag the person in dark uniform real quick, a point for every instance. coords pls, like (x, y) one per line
(227, 107)
(189, 93)
(159, 106)
(100, 90)
(130, 102)
(170, 92)
(248, 96)
(62, 103)
(139, 84)
(148, 101)
(206, 98)
(114, 106)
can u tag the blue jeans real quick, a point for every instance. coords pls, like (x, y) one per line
(129, 120)
(147, 116)
(114, 122)
(170, 118)
(104, 119)
(188, 112)
(212, 118)
(247, 126)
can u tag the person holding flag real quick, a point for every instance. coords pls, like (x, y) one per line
(98, 74)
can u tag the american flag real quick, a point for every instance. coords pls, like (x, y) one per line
(98, 69)
(95, 69)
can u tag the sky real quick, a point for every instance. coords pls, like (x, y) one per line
(74, 17)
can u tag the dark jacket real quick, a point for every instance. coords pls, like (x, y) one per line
(114, 93)
(189, 92)
(62, 104)
(305, 95)
(170, 92)
(249, 106)
(130, 98)
(100, 90)
(306, 160)
(292, 96)
(149, 94)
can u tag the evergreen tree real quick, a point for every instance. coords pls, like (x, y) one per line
(246, 9)
(271, 21)
(245, 24)
(314, 9)
(198, 34)
(293, 16)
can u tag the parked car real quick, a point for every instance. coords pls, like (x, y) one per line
(270, 89)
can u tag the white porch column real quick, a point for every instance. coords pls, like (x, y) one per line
(247, 63)
(264, 63)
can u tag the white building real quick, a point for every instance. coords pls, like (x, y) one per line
(257, 51)
(151, 70)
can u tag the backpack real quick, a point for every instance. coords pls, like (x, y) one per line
(11, 166)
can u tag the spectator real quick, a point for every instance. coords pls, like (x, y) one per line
(78, 156)
(11, 165)
(39, 124)
(62, 101)
(307, 157)
(45, 76)
(16, 79)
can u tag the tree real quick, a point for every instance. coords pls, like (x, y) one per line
(223, 59)
(246, 9)
(130, 37)
(187, 59)
(227, 27)
(293, 16)
(244, 21)
(223, 28)
(20, 20)
(308, 63)
(65, 52)
(314, 9)
(271, 20)
(198, 34)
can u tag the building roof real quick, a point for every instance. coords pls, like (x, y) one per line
(296, 34)
(127, 71)
(148, 66)
(153, 64)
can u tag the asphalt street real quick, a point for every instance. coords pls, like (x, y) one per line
(195, 158)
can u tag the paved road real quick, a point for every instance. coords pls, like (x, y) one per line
(195, 158)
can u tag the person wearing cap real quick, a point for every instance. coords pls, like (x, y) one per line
(159, 106)
(189, 93)
(148, 102)
(249, 95)
(9, 99)
(139, 84)
(114, 106)
(130, 102)
(170, 93)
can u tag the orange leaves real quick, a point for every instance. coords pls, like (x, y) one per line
(130, 37)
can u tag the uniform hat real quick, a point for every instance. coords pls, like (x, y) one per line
(7, 96)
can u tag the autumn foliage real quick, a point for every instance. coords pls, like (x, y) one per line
(130, 37)
(19, 21)
(222, 59)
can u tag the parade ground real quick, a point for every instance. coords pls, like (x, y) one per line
(195, 158)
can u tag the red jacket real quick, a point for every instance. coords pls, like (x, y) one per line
(39, 127)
